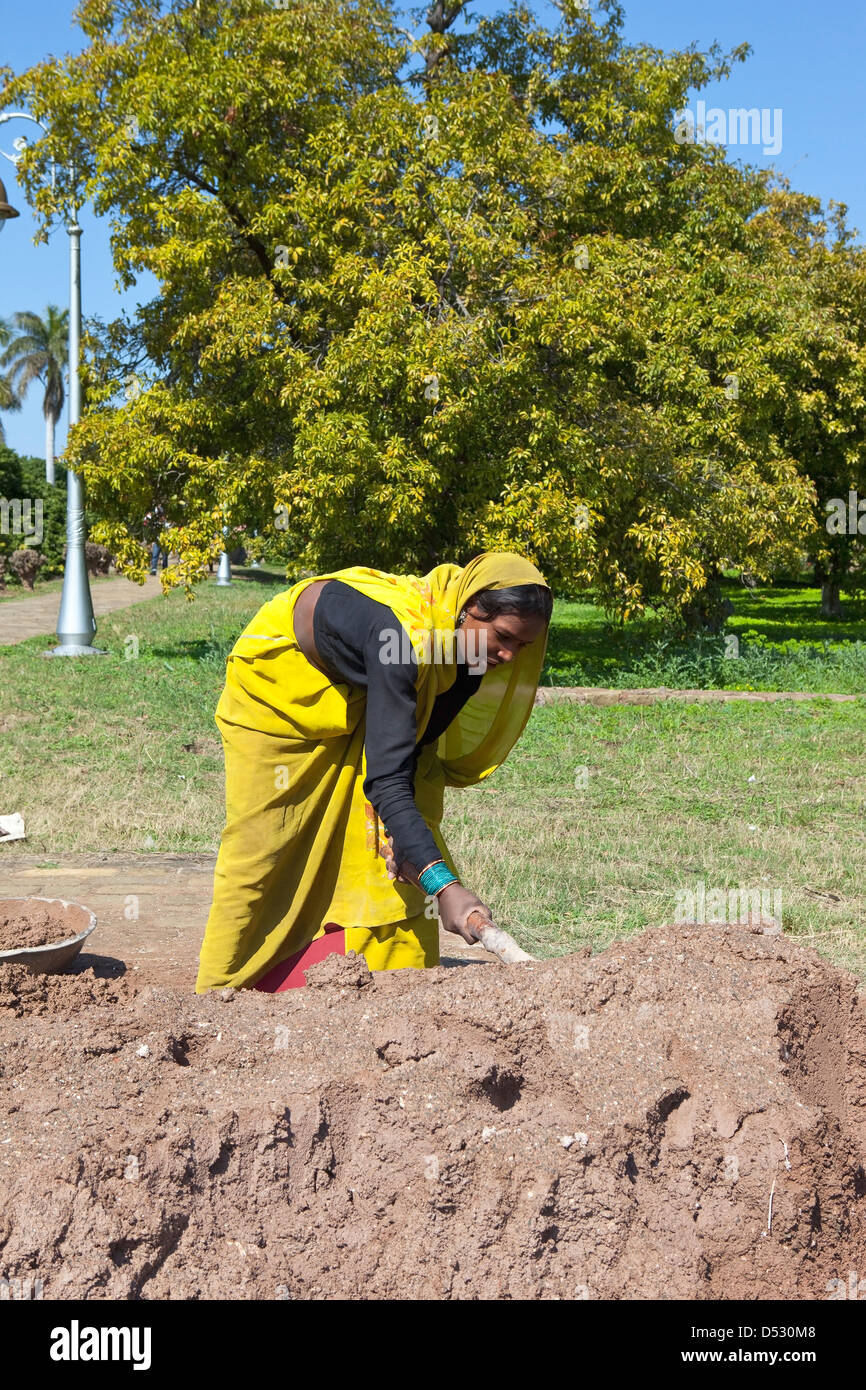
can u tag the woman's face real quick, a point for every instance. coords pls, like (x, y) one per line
(503, 638)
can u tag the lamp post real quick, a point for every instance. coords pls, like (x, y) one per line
(255, 564)
(76, 623)
(224, 573)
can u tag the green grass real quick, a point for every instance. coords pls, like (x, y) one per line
(115, 754)
(668, 802)
(780, 642)
(794, 613)
(92, 749)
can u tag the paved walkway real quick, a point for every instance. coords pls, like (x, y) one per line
(651, 695)
(151, 909)
(33, 617)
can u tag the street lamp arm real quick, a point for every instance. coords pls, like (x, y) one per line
(21, 141)
(16, 144)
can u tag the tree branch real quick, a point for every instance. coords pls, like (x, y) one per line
(234, 212)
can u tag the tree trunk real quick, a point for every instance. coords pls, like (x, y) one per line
(709, 610)
(49, 449)
(831, 606)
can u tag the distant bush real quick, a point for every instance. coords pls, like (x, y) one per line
(22, 480)
(97, 558)
(26, 564)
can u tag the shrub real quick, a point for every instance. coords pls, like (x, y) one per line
(26, 564)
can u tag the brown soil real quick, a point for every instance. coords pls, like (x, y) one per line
(31, 924)
(681, 1117)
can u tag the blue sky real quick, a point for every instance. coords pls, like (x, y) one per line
(807, 62)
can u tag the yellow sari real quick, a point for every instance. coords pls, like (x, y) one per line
(300, 849)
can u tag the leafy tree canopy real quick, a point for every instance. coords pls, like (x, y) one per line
(424, 296)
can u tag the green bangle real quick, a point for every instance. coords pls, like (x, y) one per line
(436, 877)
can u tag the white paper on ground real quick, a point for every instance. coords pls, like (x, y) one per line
(11, 828)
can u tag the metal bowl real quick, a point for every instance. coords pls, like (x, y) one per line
(56, 955)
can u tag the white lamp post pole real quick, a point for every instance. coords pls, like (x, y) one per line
(76, 623)
(224, 573)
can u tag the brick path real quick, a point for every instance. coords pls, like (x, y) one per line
(33, 617)
(651, 695)
(171, 895)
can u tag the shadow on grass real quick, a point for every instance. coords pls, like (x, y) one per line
(262, 576)
(205, 649)
(782, 615)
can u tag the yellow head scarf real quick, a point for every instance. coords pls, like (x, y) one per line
(491, 722)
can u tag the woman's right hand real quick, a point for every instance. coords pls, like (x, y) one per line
(456, 905)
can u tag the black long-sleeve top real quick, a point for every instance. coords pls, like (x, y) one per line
(349, 630)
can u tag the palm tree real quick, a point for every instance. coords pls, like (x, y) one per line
(8, 398)
(40, 353)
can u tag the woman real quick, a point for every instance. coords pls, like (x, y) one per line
(351, 702)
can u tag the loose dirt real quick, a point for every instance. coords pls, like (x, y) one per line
(31, 924)
(680, 1117)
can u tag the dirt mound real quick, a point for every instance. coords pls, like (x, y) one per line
(683, 1116)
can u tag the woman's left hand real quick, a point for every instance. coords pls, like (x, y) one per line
(402, 872)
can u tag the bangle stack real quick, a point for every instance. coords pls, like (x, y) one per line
(436, 877)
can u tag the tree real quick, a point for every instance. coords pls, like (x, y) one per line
(8, 398)
(825, 415)
(40, 353)
(423, 296)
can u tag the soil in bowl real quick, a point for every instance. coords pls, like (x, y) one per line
(31, 924)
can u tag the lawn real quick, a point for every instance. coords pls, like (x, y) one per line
(602, 817)
(121, 751)
(775, 640)
(599, 820)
